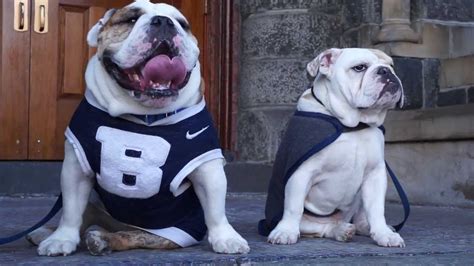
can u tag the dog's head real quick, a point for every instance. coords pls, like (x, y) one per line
(359, 85)
(148, 49)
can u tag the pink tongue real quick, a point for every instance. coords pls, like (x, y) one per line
(161, 69)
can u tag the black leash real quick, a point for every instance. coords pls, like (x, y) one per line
(57, 206)
(403, 198)
(315, 97)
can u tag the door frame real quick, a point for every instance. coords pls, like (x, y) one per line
(223, 46)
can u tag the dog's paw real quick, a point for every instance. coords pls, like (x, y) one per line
(388, 239)
(62, 242)
(56, 247)
(225, 239)
(344, 232)
(284, 234)
(40, 234)
(96, 244)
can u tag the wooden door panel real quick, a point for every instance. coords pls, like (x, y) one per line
(58, 63)
(43, 84)
(14, 82)
(72, 55)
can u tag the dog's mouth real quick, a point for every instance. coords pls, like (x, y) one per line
(391, 87)
(161, 73)
(390, 90)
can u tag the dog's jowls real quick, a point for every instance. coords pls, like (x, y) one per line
(146, 65)
(340, 191)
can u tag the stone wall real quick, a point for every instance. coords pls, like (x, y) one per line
(443, 10)
(278, 38)
(430, 141)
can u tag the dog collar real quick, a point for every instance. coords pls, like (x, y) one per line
(315, 97)
(149, 119)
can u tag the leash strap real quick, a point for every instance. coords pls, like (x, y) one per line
(403, 198)
(57, 206)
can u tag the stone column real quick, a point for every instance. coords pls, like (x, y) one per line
(396, 23)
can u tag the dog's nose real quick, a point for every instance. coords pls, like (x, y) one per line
(161, 21)
(383, 71)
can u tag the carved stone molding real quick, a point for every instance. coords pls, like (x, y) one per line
(395, 26)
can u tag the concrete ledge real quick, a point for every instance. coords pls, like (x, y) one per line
(32, 178)
(447, 123)
(433, 173)
(248, 177)
(29, 177)
(445, 182)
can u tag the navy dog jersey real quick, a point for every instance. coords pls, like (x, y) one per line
(141, 169)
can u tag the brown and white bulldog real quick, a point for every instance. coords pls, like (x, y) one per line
(146, 66)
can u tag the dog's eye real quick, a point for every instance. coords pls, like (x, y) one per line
(183, 24)
(132, 20)
(360, 68)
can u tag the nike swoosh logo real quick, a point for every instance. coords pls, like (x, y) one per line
(192, 136)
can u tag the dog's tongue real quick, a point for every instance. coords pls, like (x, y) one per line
(161, 69)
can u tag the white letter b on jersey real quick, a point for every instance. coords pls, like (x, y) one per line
(130, 162)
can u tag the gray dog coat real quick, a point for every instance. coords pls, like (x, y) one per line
(307, 133)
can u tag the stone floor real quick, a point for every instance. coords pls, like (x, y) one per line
(433, 235)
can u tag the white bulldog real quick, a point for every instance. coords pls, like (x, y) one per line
(144, 76)
(340, 190)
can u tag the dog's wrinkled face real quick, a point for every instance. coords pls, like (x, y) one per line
(148, 49)
(365, 77)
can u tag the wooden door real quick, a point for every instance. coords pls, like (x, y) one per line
(58, 62)
(14, 84)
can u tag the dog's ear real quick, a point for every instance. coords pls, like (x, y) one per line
(93, 35)
(322, 63)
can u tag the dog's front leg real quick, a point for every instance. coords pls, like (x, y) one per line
(75, 187)
(288, 229)
(209, 182)
(373, 198)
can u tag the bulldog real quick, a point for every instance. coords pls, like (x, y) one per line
(334, 185)
(144, 142)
